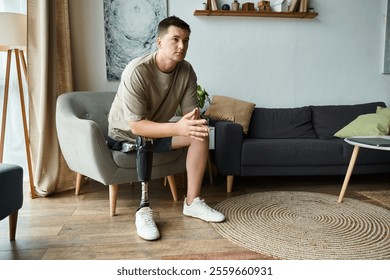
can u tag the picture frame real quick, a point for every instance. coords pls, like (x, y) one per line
(130, 31)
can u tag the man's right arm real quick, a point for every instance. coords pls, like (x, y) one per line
(189, 125)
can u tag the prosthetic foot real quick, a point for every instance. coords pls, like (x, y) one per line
(144, 162)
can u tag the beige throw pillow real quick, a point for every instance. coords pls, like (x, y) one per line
(230, 109)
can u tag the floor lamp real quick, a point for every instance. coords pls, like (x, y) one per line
(13, 39)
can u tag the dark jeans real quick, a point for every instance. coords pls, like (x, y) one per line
(160, 145)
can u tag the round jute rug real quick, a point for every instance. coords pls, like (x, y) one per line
(304, 225)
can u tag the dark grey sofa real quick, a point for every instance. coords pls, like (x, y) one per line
(294, 141)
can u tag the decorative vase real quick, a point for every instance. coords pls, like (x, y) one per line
(225, 7)
(235, 6)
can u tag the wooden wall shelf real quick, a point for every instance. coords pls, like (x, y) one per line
(225, 13)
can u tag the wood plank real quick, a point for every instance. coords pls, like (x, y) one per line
(303, 15)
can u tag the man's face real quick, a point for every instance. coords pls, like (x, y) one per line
(174, 44)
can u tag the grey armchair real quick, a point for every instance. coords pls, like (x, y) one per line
(82, 124)
(11, 195)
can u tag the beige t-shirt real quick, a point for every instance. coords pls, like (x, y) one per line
(147, 93)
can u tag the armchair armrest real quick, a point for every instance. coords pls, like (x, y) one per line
(82, 140)
(228, 147)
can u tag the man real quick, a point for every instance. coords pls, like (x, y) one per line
(149, 93)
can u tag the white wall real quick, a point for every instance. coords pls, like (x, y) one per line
(336, 58)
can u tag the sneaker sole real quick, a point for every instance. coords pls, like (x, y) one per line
(209, 221)
(150, 238)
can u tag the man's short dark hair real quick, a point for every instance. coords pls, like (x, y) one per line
(172, 21)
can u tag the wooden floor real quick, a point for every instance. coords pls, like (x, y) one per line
(65, 226)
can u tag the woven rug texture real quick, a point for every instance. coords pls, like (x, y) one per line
(245, 255)
(305, 225)
(382, 196)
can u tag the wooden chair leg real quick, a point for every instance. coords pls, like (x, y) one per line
(79, 182)
(229, 183)
(172, 185)
(113, 193)
(13, 220)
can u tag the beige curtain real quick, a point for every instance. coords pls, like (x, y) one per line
(50, 74)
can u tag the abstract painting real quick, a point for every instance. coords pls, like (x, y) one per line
(130, 31)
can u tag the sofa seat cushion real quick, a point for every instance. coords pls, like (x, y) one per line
(281, 123)
(329, 119)
(291, 152)
(127, 160)
(366, 156)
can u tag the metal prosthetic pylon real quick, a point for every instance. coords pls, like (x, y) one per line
(144, 162)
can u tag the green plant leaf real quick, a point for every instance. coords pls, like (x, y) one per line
(203, 96)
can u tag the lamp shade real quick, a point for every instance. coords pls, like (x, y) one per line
(13, 30)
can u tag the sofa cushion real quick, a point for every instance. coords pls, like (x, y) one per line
(366, 156)
(292, 152)
(281, 123)
(329, 119)
(230, 109)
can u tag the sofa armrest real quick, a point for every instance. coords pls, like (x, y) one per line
(228, 147)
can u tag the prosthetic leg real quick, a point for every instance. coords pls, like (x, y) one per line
(146, 227)
(144, 162)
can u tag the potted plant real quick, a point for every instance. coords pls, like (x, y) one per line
(203, 97)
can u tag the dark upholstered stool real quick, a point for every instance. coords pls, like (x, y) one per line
(11, 194)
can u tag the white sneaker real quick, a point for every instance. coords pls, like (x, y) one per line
(146, 227)
(199, 209)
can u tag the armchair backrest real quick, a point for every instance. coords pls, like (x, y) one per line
(85, 105)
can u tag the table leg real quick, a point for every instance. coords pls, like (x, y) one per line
(349, 172)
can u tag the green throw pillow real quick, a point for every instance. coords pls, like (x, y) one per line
(383, 111)
(366, 125)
